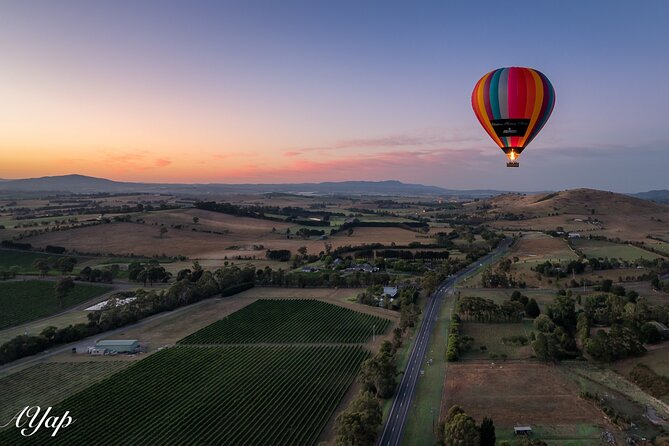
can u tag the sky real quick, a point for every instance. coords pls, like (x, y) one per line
(280, 92)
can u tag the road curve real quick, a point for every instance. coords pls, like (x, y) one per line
(393, 429)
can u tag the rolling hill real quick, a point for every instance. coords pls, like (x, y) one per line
(576, 201)
(585, 211)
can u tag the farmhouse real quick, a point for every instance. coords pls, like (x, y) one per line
(390, 291)
(574, 235)
(522, 430)
(365, 267)
(119, 345)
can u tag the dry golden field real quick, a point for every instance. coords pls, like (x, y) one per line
(525, 393)
(246, 237)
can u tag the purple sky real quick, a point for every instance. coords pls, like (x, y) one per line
(250, 91)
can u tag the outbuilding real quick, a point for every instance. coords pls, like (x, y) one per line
(522, 430)
(119, 345)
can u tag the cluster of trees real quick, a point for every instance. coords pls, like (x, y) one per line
(55, 249)
(106, 275)
(500, 277)
(355, 223)
(150, 271)
(63, 264)
(240, 211)
(460, 429)
(445, 239)
(617, 343)
(305, 233)
(408, 255)
(631, 322)
(9, 273)
(659, 285)
(186, 291)
(531, 307)
(486, 310)
(379, 373)
(552, 269)
(404, 301)
(292, 213)
(281, 255)
(331, 279)
(557, 328)
(9, 244)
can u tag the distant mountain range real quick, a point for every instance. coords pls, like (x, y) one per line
(659, 196)
(81, 184)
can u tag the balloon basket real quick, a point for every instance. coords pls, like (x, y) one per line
(512, 164)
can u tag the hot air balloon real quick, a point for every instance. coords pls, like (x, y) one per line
(513, 104)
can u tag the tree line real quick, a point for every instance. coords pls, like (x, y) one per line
(225, 281)
(359, 423)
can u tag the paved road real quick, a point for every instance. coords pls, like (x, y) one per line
(399, 411)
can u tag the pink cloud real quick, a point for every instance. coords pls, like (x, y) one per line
(162, 162)
(404, 164)
(407, 140)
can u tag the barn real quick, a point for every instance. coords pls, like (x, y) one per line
(119, 345)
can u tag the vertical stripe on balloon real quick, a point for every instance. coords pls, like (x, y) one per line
(513, 93)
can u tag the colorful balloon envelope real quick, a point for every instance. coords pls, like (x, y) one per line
(513, 104)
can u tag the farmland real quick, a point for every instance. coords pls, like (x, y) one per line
(253, 395)
(37, 384)
(233, 236)
(522, 392)
(22, 259)
(489, 340)
(604, 249)
(32, 299)
(290, 321)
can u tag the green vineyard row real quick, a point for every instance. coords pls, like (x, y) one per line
(237, 395)
(290, 321)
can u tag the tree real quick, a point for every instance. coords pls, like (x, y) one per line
(532, 308)
(452, 412)
(563, 312)
(42, 266)
(302, 250)
(65, 264)
(195, 220)
(650, 334)
(63, 288)
(544, 324)
(462, 431)
(358, 425)
(487, 432)
(162, 231)
(545, 347)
